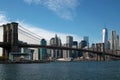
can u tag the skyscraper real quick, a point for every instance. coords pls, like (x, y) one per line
(117, 42)
(74, 52)
(86, 38)
(69, 43)
(83, 44)
(113, 40)
(55, 53)
(105, 37)
(42, 51)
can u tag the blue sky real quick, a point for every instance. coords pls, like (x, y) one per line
(77, 17)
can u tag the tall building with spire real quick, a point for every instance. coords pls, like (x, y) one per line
(55, 53)
(105, 37)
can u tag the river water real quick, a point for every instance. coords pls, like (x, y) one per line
(107, 70)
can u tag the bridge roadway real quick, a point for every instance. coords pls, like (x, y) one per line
(4, 44)
(67, 48)
(61, 48)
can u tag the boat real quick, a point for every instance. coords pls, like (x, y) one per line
(64, 59)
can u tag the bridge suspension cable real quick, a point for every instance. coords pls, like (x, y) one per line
(28, 36)
(30, 32)
(25, 32)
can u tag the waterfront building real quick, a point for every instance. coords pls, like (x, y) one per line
(86, 38)
(35, 54)
(92, 55)
(114, 41)
(55, 53)
(82, 44)
(69, 43)
(42, 53)
(65, 52)
(17, 56)
(52, 51)
(31, 51)
(75, 43)
(74, 52)
(117, 42)
(26, 50)
(108, 45)
(93, 46)
(105, 38)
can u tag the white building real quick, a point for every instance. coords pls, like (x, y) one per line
(105, 37)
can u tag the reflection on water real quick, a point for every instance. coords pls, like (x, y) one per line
(109, 70)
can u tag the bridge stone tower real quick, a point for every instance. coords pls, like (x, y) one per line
(100, 48)
(10, 36)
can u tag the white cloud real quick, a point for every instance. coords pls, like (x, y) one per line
(63, 8)
(3, 19)
(47, 34)
(39, 31)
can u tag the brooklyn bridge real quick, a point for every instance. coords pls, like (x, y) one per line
(11, 43)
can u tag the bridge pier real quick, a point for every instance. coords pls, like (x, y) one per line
(100, 48)
(10, 36)
(5, 51)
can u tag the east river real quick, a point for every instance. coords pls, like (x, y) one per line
(86, 70)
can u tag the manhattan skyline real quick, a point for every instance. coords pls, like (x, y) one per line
(78, 18)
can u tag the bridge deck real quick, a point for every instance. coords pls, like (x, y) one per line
(67, 48)
(3, 44)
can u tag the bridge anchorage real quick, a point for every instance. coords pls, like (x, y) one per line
(12, 44)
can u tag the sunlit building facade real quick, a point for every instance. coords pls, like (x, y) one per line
(105, 37)
(69, 43)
